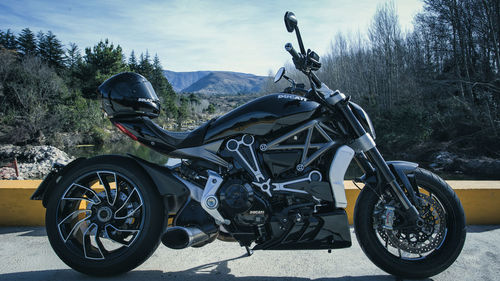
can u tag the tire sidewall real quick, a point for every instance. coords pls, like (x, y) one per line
(437, 261)
(152, 225)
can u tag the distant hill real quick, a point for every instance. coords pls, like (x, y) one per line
(214, 82)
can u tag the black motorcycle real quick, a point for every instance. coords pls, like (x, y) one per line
(268, 175)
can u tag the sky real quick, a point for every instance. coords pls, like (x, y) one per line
(243, 36)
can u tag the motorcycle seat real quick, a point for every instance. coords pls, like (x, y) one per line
(179, 139)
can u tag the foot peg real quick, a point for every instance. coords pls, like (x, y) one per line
(249, 251)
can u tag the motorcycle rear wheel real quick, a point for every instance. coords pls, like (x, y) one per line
(413, 253)
(105, 216)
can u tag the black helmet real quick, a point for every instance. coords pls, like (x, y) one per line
(129, 94)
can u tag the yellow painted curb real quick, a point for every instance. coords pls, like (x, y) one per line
(481, 201)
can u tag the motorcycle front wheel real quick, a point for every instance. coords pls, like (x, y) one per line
(411, 251)
(105, 216)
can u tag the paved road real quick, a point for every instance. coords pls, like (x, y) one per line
(25, 254)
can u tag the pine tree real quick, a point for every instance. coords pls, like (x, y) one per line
(163, 88)
(73, 63)
(100, 63)
(145, 68)
(8, 40)
(26, 42)
(132, 62)
(50, 49)
(73, 56)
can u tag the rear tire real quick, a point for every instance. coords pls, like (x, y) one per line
(438, 259)
(102, 232)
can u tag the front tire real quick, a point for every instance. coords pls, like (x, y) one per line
(445, 233)
(105, 216)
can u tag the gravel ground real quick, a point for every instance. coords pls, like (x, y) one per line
(26, 255)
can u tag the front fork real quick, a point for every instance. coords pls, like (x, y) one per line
(365, 144)
(388, 176)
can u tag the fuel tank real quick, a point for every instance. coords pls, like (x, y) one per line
(262, 116)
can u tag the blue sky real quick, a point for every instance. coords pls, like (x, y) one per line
(244, 36)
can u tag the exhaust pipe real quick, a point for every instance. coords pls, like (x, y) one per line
(178, 237)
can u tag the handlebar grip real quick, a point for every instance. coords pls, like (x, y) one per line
(292, 51)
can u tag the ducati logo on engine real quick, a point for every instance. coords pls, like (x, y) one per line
(257, 212)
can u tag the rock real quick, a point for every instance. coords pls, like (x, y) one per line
(444, 158)
(7, 173)
(34, 162)
(484, 167)
(480, 167)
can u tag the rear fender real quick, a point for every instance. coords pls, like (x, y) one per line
(168, 186)
(55, 175)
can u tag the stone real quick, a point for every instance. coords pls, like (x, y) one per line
(34, 162)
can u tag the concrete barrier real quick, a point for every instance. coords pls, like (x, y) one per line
(481, 201)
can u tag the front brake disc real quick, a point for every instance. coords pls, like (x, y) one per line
(419, 240)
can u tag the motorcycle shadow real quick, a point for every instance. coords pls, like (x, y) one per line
(216, 271)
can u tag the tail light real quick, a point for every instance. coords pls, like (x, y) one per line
(125, 131)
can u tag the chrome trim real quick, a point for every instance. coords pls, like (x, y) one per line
(213, 183)
(340, 163)
(363, 143)
(321, 147)
(195, 191)
(194, 237)
(206, 152)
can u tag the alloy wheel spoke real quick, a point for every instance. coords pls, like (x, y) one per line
(100, 214)
(125, 204)
(107, 187)
(127, 232)
(86, 240)
(97, 238)
(76, 225)
(95, 199)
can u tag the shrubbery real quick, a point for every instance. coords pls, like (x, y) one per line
(47, 92)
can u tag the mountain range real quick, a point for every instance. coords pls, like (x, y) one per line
(214, 82)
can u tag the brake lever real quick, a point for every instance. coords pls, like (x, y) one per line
(312, 60)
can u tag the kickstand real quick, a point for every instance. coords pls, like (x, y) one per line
(249, 251)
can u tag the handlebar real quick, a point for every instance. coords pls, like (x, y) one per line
(299, 62)
(292, 51)
(315, 80)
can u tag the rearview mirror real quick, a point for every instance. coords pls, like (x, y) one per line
(290, 21)
(279, 74)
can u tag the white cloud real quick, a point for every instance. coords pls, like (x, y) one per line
(199, 35)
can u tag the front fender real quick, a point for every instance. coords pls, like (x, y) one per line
(402, 170)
